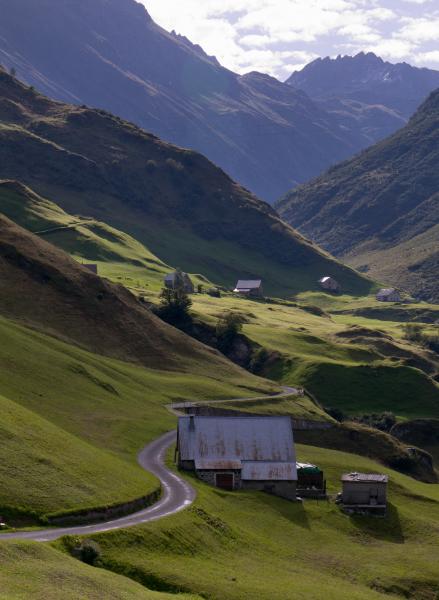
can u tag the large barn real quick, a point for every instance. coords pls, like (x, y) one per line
(240, 452)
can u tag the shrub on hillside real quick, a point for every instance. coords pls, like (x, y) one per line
(414, 332)
(174, 307)
(336, 414)
(259, 360)
(382, 421)
(228, 327)
(88, 551)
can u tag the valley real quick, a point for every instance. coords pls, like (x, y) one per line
(101, 356)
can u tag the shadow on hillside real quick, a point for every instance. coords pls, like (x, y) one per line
(293, 511)
(386, 528)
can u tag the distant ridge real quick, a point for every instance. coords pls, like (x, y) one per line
(365, 92)
(110, 54)
(380, 210)
(183, 208)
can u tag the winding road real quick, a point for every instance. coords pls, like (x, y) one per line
(177, 494)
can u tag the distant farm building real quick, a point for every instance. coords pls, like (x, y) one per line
(310, 481)
(364, 491)
(179, 280)
(240, 452)
(91, 267)
(329, 284)
(249, 287)
(388, 295)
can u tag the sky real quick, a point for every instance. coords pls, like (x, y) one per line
(281, 36)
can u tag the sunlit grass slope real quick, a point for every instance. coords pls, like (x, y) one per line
(73, 422)
(345, 361)
(45, 468)
(37, 571)
(240, 545)
(117, 254)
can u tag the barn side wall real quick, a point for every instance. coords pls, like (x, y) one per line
(284, 489)
(209, 477)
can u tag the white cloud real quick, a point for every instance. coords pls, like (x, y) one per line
(276, 35)
(417, 1)
(418, 30)
(431, 58)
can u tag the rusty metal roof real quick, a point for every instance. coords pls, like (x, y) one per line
(236, 438)
(269, 471)
(365, 477)
(215, 465)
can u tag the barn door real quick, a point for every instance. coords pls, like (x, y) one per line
(224, 481)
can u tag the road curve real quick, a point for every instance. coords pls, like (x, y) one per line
(177, 494)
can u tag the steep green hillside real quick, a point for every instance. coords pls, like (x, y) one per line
(36, 570)
(78, 306)
(73, 422)
(379, 211)
(175, 202)
(117, 254)
(67, 405)
(43, 468)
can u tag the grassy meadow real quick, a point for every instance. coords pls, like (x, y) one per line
(240, 545)
(73, 422)
(37, 571)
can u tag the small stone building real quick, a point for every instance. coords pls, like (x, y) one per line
(249, 287)
(364, 491)
(240, 452)
(179, 280)
(91, 267)
(329, 284)
(388, 295)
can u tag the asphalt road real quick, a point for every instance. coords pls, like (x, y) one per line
(177, 494)
(176, 407)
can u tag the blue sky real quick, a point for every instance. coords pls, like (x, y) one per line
(280, 36)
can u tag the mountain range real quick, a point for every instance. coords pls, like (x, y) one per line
(365, 91)
(175, 202)
(268, 135)
(380, 210)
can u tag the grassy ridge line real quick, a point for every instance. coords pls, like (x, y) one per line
(299, 407)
